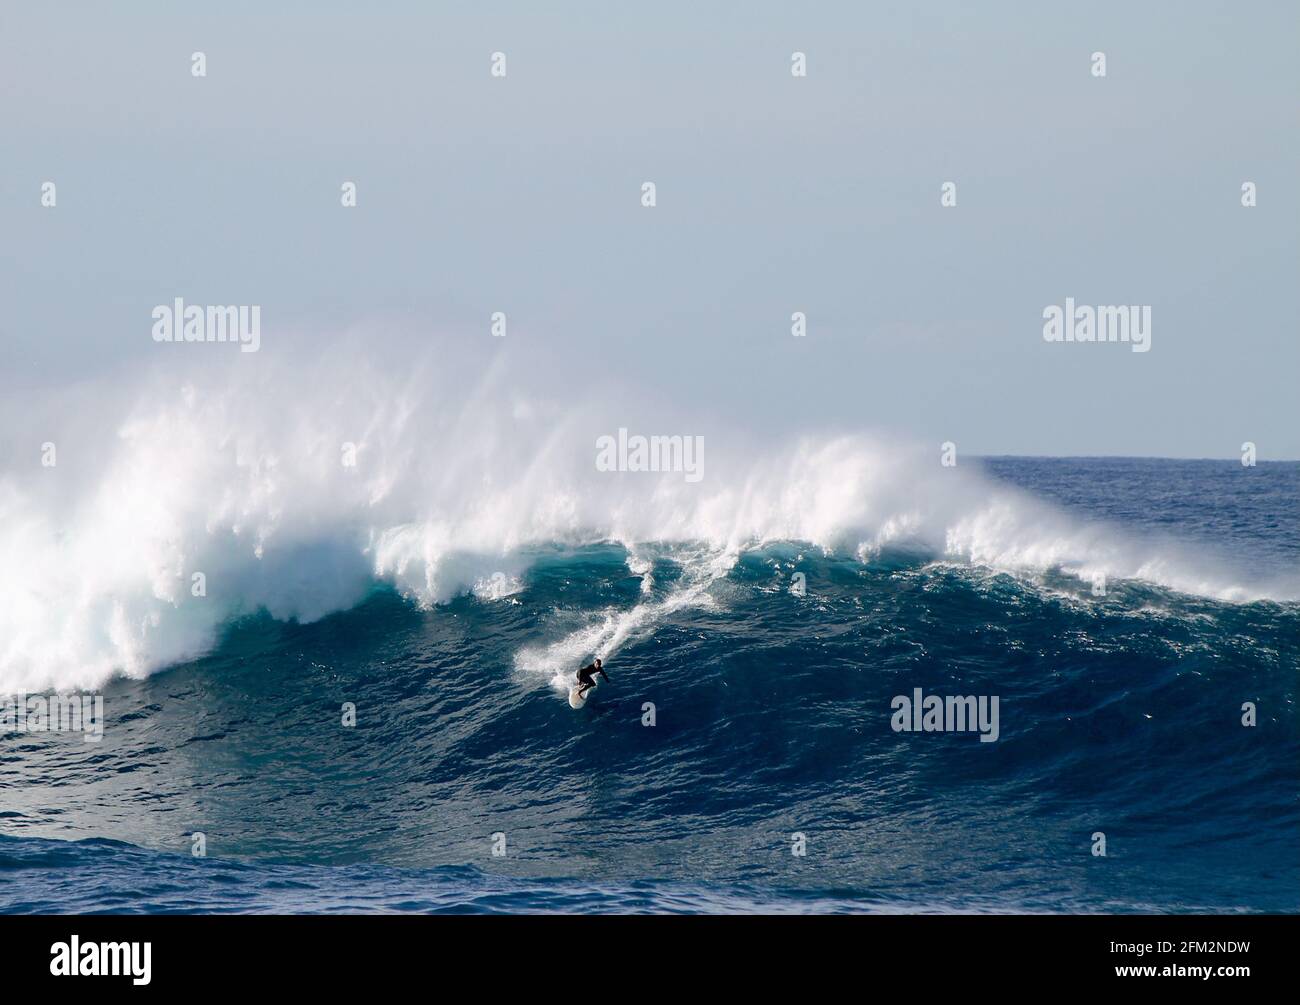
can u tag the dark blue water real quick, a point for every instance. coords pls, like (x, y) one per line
(1119, 714)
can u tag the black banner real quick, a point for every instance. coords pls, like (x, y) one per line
(336, 954)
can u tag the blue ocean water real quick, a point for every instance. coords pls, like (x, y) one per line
(1119, 713)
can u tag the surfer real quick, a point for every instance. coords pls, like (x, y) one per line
(585, 680)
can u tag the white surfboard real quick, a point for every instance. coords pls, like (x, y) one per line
(578, 700)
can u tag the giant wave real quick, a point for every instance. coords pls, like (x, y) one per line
(235, 470)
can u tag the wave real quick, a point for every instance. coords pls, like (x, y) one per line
(187, 497)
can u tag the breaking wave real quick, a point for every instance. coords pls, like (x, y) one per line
(184, 498)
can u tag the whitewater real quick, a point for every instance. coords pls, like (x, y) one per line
(294, 483)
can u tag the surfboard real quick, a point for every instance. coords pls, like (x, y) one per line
(576, 700)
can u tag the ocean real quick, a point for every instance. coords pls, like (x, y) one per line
(743, 755)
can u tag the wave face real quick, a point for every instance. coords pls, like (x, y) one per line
(1120, 714)
(295, 488)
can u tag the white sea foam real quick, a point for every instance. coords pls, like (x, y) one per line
(236, 472)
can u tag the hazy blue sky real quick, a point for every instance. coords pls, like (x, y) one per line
(775, 195)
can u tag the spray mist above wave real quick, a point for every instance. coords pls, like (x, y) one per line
(236, 471)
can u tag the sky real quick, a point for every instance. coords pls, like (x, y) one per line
(775, 194)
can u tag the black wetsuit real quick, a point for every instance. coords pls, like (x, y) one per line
(585, 679)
